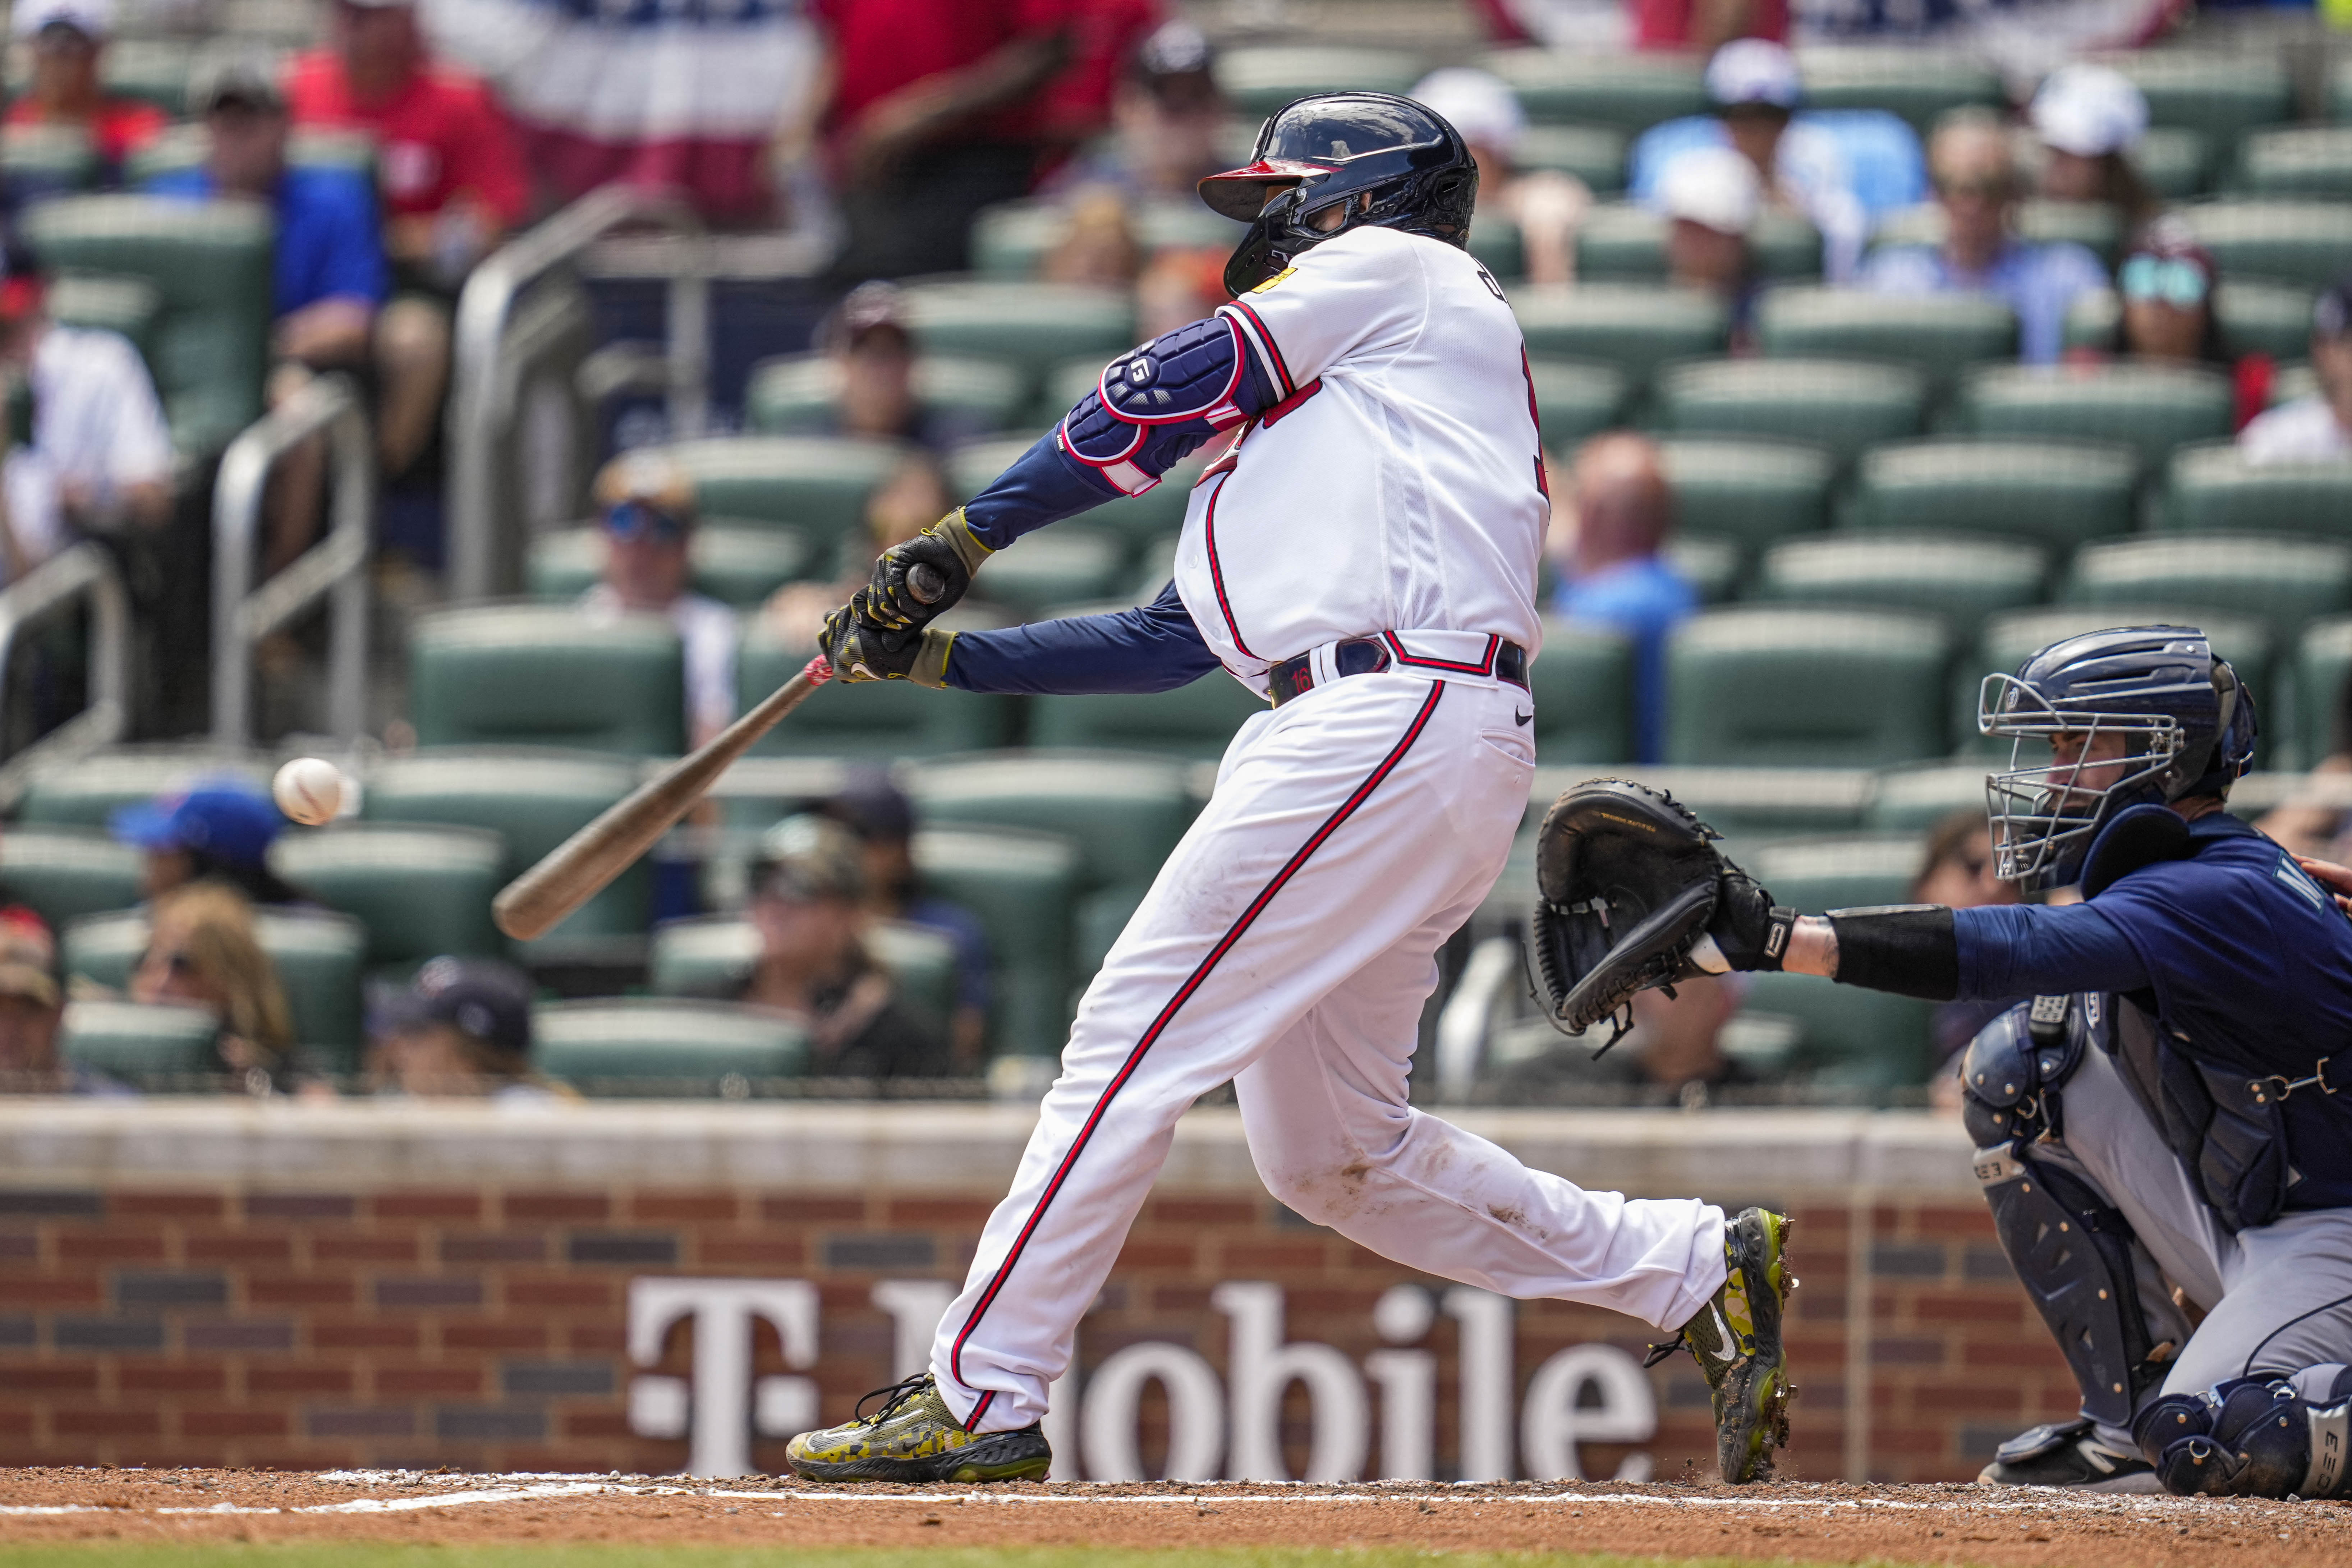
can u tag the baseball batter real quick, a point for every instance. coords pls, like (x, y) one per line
(1363, 554)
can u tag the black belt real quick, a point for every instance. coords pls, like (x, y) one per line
(1368, 656)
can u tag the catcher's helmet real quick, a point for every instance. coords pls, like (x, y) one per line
(1333, 146)
(2187, 728)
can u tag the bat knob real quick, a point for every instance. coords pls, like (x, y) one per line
(926, 582)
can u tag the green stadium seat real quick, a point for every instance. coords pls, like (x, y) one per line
(1496, 242)
(1636, 327)
(650, 1046)
(2339, 93)
(1938, 334)
(1577, 398)
(797, 395)
(2322, 662)
(131, 306)
(1157, 511)
(1031, 327)
(39, 161)
(739, 566)
(1260, 79)
(817, 484)
(1709, 564)
(420, 891)
(547, 675)
(1916, 799)
(1024, 887)
(1844, 404)
(2282, 581)
(1768, 686)
(1630, 92)
(87, 790)
(1196, 721)
(708, 956)
(1582, 689)
(2210, 487)
(2300, 161)
(318, 957)
(1621, 240)
(1920, 85)
(2091, 225)
(1593, 153)
(1844, 871)
(2222, 94)
(1961, 577)
(2055, 493)
(874, 719)
(152, 70)
(60, 873)
(1750, 493)
(2012, 636)
(534, 801)
(1847, 1037)
(187, 144)
(1070, 562)
(2176, 161)
(2152, 407)
(1012, 240)
(210, 262)
(153, 1047)
(2300, 241)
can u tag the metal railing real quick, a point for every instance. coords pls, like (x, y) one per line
(498, 344)
(337, 565)
(85, 571)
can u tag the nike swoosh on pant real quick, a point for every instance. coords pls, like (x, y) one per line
(1520, 718)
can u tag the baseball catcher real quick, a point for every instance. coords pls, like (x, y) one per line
(2165, 1128)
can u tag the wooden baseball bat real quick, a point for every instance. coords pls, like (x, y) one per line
(578, 869)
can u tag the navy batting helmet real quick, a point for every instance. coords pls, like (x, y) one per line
(2131, 715)
(1333, 146)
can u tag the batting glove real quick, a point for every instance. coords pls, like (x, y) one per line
(859, 650)
(950, 548)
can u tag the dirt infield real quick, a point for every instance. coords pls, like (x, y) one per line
(1827, 1523)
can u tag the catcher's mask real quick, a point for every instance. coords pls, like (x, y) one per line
(1335, 147)
(2127, 716)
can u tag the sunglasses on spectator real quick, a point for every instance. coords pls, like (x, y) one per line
(2180, 284)
(633, 520)
(177, 961)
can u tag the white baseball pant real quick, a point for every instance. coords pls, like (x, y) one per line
(1288, 944)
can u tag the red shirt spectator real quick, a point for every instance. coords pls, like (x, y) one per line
(1103, 35)
(441, 137)
(1706, 26)
(881, 47)
(68, 38)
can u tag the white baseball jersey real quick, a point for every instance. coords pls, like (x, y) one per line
(1397, 484)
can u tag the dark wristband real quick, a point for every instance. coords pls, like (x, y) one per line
(1780, 923)
(1906, 949)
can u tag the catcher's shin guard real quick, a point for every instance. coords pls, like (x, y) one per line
(2251, 1437)
(1736, 1340)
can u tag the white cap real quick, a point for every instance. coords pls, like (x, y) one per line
(2089, 110)
(93, 20)
(1712, 187)
(1478, 104)
(1754, 70)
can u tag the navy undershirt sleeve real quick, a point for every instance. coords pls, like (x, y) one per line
(1042, 486)
(2032, 949)
(1152, 648)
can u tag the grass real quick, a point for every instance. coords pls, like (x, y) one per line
(388, 1554)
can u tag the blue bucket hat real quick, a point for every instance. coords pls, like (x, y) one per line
(229, 818)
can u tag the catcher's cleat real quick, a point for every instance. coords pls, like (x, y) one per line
(914, 1437)
(2068, 1454)
(1737, 1342)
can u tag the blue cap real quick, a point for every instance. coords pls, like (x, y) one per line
(227, 817)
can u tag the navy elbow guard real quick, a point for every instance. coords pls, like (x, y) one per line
(1156, 403)
(1907, 948)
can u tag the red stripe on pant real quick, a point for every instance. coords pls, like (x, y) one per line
(1159, 1026)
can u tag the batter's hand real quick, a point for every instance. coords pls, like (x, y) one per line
(2336, 880)
(859, 650)
(949, 548)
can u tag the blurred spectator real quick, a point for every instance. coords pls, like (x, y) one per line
(201, 953)
(873, 355)
(1097, 248)
(808, 905)
(1956, 870)
(933, 115)
(32, 1005)
(219, 829)
(648, 510)
(2088, 119)
(2319, 426)
(2166, 283)
(1756, 89)
(1618, 514)
(1544, 204)
(68, 39)
(1180, 284)
(101, 454)
(883, 819)
(913, 498)
(1711, 197)
(1674, 1048)
(1104, 38)
(1167, 114)
(460, 1030)
(2315, 824)
(1977, 185)
(330, 277)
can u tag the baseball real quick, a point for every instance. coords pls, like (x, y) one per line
(310, 790)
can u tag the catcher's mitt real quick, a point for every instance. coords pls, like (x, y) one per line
(1628, 881)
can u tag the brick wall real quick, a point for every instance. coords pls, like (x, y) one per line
(483, 1324)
